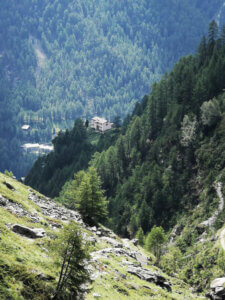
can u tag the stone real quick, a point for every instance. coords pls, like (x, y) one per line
(29, 232)
(142, 259)
(112, 242)
(44, 277)
(53, 210)
(217, 289)
(134, 241)
(96, 295)
(3, 201)
(91, 239)
(149, 276)
(107, 232)
(217, 282)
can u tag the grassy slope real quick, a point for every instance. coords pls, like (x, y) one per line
(22, 259)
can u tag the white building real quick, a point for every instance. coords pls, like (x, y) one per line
(100, 124)
(37, 148)
(25, 127)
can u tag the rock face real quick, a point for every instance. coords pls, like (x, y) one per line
(18, 209)
(114, 243)
(217, 287)
(3, 201)
(53, 210)
(29, 232)
(211, 221)
(149, 276)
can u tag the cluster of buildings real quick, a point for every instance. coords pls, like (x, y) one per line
(97, 123)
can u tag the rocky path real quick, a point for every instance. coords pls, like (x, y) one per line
(211, 221)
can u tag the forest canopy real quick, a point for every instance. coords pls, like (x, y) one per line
(62, 60)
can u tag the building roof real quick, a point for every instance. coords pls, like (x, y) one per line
(25, 127)
(39, 146)
(100, 120)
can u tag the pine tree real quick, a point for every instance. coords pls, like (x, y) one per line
(222, 35)
(212, 36)
(202, 53)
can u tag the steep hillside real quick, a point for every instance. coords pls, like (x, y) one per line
(64, 60)
(30, 263)
(167, 166)
(170, 149)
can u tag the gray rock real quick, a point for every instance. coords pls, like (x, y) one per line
(142, 259)
(217, 289)
(149, 276)
(95, 295)
(53, 210)
(3, 201)
(217, 282)
(107, 232)
(134, 241)
(29, 232)
(112, 242)
(211, 221)
(91, 239)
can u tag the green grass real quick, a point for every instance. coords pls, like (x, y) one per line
(22, 259)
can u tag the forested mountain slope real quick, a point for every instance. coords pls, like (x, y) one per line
(172, 150)
(63, 60)
(167, 166)
(172, 145)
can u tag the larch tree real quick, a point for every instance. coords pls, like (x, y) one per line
(73, 253)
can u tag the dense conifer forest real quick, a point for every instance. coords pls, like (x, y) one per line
(65, 60)
(164, 151)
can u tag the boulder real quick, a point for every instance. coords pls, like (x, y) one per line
(134, 241)
(142, 259)
(33, 233)
(149, 276)
(217, 289)
(112, 242)
(96, 295)
(3, 201)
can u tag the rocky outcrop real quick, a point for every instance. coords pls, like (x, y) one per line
(211, 221)
(18, 209)
(114, 243)
(53, 210)
(217, 289)
(149, 276)
(33, 233)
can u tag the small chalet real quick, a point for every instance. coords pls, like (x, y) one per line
(100, 124)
